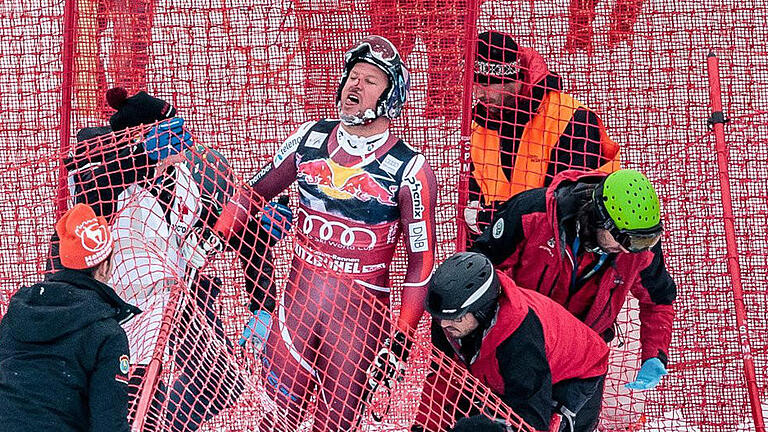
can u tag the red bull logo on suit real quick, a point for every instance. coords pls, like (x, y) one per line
(342, 182)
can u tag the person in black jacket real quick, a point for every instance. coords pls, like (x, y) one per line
(63, 355)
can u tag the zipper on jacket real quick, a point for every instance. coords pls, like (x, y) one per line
(541, 278)
(602, 312)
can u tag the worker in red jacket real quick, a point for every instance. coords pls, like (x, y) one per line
(587, 241)
(538, 358)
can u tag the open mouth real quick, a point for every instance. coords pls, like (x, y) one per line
(353, 98)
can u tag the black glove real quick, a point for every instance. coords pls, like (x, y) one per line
(478, 423)
(389, 364)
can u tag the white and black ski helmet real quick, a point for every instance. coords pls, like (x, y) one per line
(465, 282)
(380, 52)
(213, 174)
(198, 189)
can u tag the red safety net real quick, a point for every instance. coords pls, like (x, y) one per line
(244, 75)
(191, 365)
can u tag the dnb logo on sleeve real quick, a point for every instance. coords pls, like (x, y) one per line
(124, 364)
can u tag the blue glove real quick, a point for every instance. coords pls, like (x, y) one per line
(257, 329)
(167, 138)
(650, 374)
(277, 218)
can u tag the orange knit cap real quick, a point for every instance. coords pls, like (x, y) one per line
(84, 239)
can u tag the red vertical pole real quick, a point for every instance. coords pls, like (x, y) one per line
(470, 35)
(732, 255)
(67, 79)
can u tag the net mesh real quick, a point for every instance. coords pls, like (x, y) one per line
(245, 75)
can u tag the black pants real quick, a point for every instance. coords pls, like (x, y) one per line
(206, 384)
(581, 397)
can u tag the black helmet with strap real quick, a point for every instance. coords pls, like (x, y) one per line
(465, 282)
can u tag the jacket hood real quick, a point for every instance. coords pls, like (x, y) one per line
(65, 302)
(536, 72)
(565, 196)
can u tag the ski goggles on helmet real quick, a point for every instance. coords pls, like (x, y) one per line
(375, 48)
(634, 241)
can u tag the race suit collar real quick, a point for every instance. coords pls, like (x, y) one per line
(360, 146)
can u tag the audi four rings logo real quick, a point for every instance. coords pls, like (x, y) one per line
(348, 236)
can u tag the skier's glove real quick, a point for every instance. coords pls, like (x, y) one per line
(389, 364)
(649, 376)
(277, 219)
(167, 138)
(199, 245)
(256, 330)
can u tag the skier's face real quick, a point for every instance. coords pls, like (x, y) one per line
(607, 243)
(497, 96)
(363, 88)
(460, 327)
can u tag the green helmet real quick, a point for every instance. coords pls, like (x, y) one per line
(630, 200)
(628, 207)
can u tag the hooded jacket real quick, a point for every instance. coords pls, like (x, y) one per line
(64, 357)
(531, 240)
(547, 132)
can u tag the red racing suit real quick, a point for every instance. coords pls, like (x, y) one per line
(529, 353)
(531, 241)
(351, 214)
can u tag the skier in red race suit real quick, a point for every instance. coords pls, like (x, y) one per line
(359, 187)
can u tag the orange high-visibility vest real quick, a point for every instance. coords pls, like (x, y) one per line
(540, 136)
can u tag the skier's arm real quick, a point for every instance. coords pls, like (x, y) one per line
(417, 200)
(269, 181)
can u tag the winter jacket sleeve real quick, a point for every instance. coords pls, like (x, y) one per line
(656, 292)
(524, 367)
(108, 385)
(505, 233)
